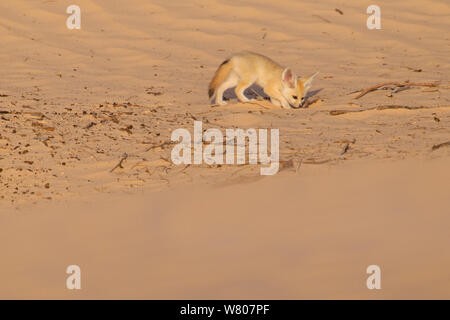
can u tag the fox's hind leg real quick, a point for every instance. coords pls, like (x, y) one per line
(231, 81)
(240, 89)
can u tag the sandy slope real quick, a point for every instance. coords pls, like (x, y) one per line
(159, 57)
(310, 235)
(73, 102)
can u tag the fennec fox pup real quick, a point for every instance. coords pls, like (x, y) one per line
(244, 69)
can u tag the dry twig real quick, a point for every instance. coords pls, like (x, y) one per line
(382, 107)
(440, 145)
(119, 165)
(161, 145)
(397, 84)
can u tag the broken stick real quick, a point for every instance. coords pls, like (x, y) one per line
(397, 84)
(345, 149)
(162, 145)
(119, 165)
(440, 145)
(382, 107)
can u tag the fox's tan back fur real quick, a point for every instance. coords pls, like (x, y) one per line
(244, 69)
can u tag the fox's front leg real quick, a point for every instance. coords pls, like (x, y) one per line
(284, 103)
(276, 98)
(275, 102)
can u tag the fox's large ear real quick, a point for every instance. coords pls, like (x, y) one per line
(307, 82)
(289, 78)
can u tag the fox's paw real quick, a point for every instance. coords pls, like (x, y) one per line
(285, 105)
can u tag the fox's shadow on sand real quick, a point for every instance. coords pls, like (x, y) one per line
(255, 92)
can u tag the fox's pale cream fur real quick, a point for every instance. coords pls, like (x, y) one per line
(244, 69)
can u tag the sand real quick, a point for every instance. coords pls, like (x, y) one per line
(362, 180)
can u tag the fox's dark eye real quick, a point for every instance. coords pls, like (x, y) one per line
(295, 97)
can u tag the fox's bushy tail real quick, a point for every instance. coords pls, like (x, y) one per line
(220, 76)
